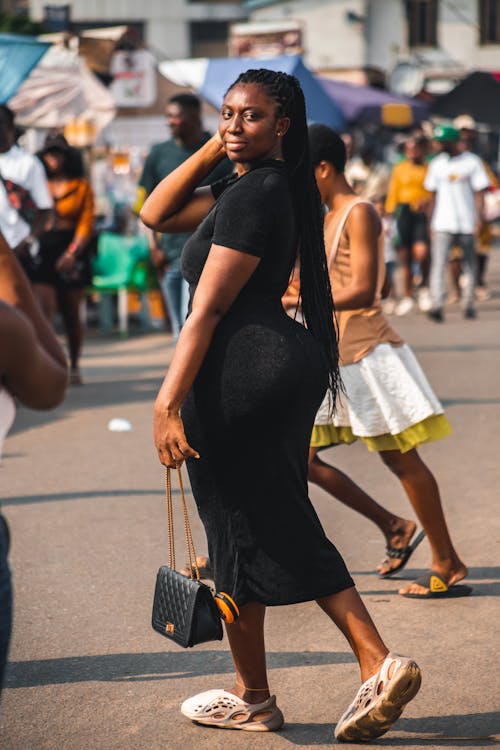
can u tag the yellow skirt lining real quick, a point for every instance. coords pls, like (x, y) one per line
(435, 427)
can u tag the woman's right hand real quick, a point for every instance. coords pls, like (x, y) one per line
(170, 439)
(66, 262)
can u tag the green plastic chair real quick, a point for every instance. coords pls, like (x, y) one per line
(122, 265)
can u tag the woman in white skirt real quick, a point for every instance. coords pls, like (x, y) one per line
(388, 402)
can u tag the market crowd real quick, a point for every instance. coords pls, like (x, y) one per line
(424, 217)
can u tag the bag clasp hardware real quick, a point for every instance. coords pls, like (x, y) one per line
(169, 627)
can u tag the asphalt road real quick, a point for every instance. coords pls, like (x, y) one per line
(88, 523)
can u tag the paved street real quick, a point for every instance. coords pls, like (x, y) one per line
(88, 524)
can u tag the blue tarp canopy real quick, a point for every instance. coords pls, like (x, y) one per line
(212, 77)
(18, 56)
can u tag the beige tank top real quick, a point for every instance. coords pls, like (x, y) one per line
(361, 330)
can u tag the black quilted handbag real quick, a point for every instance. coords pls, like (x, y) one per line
(184, 609)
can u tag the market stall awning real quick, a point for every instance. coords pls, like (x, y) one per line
(18, 56)
(364, 105)
(211, 78)
(478, 95)
(61, 89)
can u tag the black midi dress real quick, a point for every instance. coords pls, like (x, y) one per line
(252, 406)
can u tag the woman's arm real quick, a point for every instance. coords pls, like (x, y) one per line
(39, 225)
(83, 231)
(175, 205)
(225, 273)
(392, 199)
(363, 227)
(32, 363)
(27, 369)
(85, 223)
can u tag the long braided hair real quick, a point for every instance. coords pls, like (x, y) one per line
(315, 291)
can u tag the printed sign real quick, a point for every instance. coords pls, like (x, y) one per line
(134, 78)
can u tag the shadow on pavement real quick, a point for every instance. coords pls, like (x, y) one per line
(82, 495)
(151, 666)
(464, 730)
(455, 730)
(478, 589)
(464, 401)
(440, 348)
(477, 572)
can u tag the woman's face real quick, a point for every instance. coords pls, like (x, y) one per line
(54, 161)
(413, 151)
(249, 127)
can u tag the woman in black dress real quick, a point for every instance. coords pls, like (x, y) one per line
(248, 380)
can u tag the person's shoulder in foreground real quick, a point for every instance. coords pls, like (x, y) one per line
(33, 366)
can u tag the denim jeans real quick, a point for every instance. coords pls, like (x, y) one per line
(5, 598)
(441, 244)
(176, 294)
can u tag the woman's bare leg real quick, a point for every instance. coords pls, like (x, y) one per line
(421, 255)
(397, 531)
(350, 615)
(455, 266)
(246, 639)
(404, 264)
(70, 302)
(47, 299)
(345, 609)
(423, 492)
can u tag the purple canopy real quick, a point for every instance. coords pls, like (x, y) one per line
(365, 105)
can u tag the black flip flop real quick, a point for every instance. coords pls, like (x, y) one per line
(438, 588)
(401, 553)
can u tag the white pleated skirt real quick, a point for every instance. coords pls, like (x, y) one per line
(385, 393)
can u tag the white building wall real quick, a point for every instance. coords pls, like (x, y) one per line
(458, 36)
(385, 33)
(330, 40)
(166, 22)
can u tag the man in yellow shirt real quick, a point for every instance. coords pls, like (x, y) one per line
(407, 199)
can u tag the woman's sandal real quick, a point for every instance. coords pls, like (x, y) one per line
(402, 554)
(437, 588)
(218, 708)
(380, 700)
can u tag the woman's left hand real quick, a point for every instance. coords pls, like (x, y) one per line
(170, 439)
(66, 262)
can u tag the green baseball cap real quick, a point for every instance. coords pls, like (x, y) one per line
(446, 133)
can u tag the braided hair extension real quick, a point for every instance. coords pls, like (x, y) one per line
(315, 291)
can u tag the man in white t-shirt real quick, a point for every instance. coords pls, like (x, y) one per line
(20, 171)
(458, 181)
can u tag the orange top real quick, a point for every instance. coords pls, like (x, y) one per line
(361, 330)
(76, 206)
(407, 186)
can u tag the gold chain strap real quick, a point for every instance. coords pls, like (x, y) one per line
(170, 516)
(191, 552)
